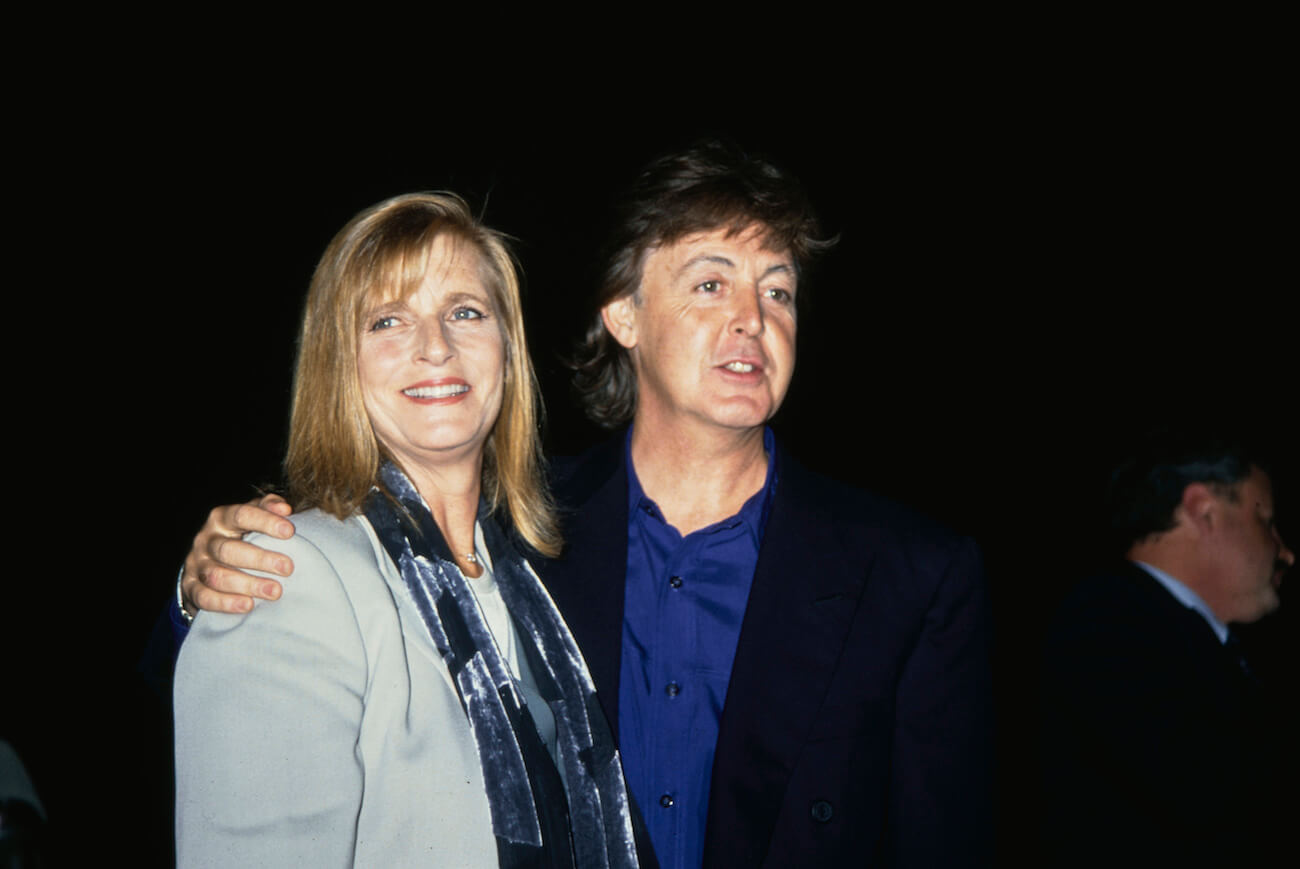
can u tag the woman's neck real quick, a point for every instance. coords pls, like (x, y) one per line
(452, 494)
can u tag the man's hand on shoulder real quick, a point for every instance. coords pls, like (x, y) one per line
(214, 577)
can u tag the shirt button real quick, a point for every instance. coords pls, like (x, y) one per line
(822, 811)
(666, 801)
(672, 689)
(675, 581)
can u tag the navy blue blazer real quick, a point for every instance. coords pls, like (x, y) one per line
(1157, 748)
(857, 724)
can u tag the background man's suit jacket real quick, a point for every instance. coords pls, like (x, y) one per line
(857, 724)
(1156, 744)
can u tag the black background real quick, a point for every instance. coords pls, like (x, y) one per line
(1033, 265)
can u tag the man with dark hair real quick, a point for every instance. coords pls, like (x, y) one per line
(1159, 744)
(797, 671)
(707, 187)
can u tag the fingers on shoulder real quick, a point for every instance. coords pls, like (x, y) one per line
(259, 552)
(254, 517)
(274, 504)
(221, 600)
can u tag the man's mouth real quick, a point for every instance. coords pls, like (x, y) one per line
(739, 367)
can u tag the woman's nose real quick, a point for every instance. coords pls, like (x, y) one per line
(434, 344)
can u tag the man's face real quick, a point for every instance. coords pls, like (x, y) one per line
(711, 332)
(1249, 550)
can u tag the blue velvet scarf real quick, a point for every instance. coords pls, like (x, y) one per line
(544, 817)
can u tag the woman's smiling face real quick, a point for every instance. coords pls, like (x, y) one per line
(432, 365)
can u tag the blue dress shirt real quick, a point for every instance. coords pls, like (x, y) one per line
(685, 601)
(1187, 598)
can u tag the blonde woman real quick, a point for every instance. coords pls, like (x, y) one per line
(421, 702)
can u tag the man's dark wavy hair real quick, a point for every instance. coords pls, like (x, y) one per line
(709, 186)
(1147, 486)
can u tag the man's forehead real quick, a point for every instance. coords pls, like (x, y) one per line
(1255, 487)
(749, 238)
(1260, 484)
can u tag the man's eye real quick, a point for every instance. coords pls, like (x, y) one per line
(383, 323)
(710, 286)
(467, 313)
(777, 294)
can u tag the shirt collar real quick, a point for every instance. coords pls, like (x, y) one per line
(753, 514)
(1187, 598)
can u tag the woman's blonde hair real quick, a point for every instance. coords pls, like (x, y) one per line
(383, 253)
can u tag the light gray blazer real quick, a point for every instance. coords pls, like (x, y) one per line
(325, 731)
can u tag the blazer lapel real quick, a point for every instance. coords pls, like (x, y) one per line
(414, 631)
(801, 608)
(587, 581)
(1206, 654)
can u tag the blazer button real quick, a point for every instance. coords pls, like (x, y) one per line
(822, 811)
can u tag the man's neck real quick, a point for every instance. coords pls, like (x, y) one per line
(1175, 553)
(698, 479)
(1188, 597)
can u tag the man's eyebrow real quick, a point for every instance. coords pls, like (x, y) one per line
(711, 258)
(779, 268)
(718, 259)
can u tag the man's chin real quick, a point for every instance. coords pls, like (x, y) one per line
(741, 413)
(1268, 603)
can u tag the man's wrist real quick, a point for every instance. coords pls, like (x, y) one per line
(180, 600)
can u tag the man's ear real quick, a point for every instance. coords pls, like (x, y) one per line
(1199, 507)
(619, 317)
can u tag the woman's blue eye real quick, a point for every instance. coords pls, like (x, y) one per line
(383, 323)
(710, 286)
(467, 314)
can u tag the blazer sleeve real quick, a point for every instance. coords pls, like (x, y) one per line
(268, 707)
(942, 770)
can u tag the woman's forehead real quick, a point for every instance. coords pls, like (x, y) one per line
(449, 259)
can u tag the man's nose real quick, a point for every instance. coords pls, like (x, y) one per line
(1284, 554)
(747, 314)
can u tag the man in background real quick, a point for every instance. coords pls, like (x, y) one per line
(1159, 745)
